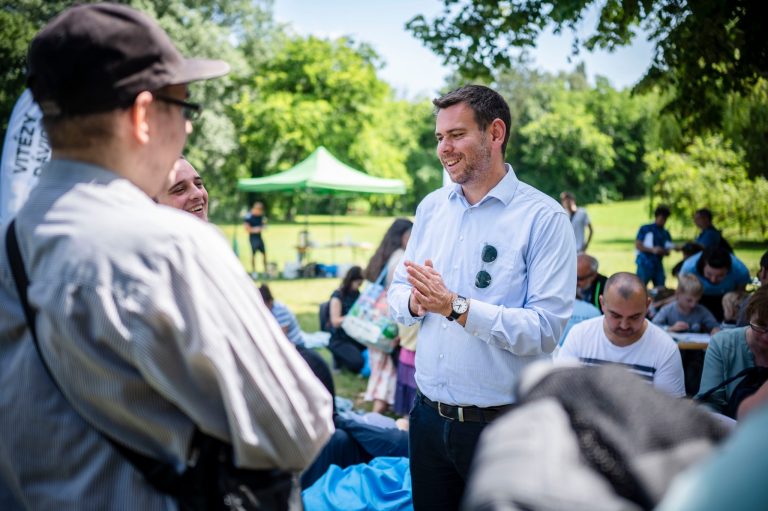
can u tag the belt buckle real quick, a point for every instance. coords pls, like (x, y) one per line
(460, 412)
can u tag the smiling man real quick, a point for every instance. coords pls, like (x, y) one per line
(150, 332)
(185, 190)
(623, 336)
(490, 272)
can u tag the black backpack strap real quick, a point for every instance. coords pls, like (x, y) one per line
(719, 386)
(162, 476)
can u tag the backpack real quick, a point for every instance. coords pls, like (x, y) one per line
(325, 316)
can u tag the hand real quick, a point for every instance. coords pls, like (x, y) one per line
(414, 307)
(680, 326)
(428, 291)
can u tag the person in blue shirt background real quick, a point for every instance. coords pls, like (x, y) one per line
(653, 242)
(720, 272)
(709, 235)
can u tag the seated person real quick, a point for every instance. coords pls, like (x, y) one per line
(719, 272)
(285, 318)
(590, 284)
(735, 304)
(659, 299)
(734, 477)
(347, 352)
(685, 314)
(290, 326)
(623, 336)
(732, 351)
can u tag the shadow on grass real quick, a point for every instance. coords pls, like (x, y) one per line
(315, 223)
(617, 241)
(749, 245)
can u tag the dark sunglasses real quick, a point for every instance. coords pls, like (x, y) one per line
(190, 111)
(483, 278)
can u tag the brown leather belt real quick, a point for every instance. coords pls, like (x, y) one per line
(465, 413)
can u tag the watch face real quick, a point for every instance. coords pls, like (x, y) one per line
(460, 305)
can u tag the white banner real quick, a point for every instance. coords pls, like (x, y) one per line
(25, 150)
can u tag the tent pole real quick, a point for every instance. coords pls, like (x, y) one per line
(333, 230)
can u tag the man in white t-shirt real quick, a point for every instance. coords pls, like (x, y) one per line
(623, 336)
(579, 220)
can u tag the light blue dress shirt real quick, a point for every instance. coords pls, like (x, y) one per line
(515, 321)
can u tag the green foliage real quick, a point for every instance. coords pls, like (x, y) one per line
(563, 150)
(746, 125)
(324, 92)
(704, 49)
(709, 174)
(568, 135)
(19, 22)
(202, 28)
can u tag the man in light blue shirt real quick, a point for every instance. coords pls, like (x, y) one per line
(489, 271)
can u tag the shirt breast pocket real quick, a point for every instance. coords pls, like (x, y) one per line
(508, 280)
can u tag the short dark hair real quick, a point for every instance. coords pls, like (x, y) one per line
(266, 294)
(662, 210)
(714, 257)
(704, 212)
(764, 260)
(758, 304)
(487, 104)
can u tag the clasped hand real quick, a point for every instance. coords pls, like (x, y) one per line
(428, 291)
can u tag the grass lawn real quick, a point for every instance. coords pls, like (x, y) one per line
(613, 244)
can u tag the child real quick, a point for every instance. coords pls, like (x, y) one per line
(685, 314)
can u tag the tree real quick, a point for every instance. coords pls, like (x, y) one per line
(203, 28)
(704, 49)
(563, 149)
(320, 92)
(709, 174)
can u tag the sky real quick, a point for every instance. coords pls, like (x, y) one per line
(413, 70)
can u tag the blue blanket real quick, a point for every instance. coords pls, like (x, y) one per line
(384, 484)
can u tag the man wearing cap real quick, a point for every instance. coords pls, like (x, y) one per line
(148, 325)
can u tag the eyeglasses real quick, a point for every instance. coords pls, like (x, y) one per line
(483, 278)
(190, 111)
(758, 329)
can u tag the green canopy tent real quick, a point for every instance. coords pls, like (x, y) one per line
(322, 173)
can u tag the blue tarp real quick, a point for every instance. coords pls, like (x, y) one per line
(384, 484)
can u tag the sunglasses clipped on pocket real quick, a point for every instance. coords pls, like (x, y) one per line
(488, 255)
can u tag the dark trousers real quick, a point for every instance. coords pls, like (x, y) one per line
(441, 452)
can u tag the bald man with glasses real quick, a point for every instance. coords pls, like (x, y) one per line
(490, 273)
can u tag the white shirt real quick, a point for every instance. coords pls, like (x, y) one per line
(579, 221)
(515, 321)
(654, 356)
(150, 325)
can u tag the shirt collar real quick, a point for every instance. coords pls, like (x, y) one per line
(504, 190)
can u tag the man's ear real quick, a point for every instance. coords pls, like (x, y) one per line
(140, 117)
(498, 131)
(602, 302)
